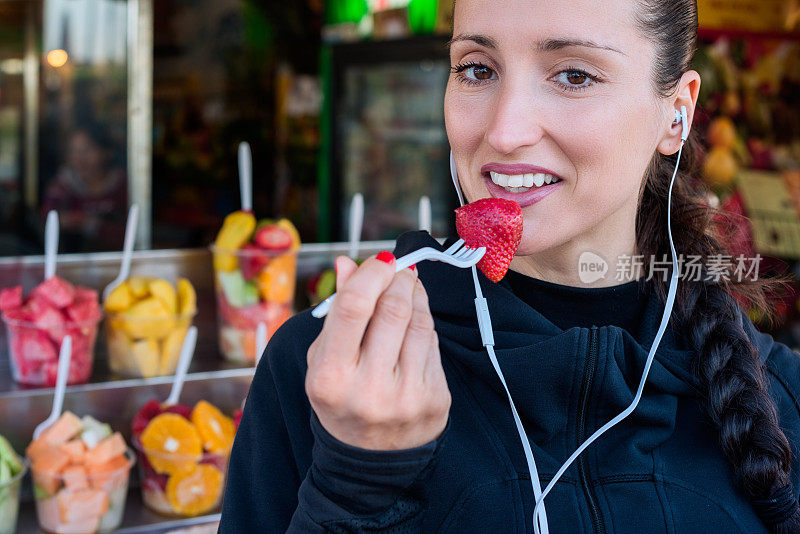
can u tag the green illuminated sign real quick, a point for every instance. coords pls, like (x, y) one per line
(421, 13)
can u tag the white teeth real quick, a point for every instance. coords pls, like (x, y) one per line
(522, 182)
(500, 179)
(516, 181)
(528, 180)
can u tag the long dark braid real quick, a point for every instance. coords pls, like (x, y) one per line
(727, 365)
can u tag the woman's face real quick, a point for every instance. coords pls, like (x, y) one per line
(85, 156)
(565, 88)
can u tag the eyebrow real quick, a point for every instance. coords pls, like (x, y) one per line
(548, 45)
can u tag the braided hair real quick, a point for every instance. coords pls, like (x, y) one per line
(727, 365)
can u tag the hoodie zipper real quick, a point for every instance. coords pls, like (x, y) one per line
(586, 388)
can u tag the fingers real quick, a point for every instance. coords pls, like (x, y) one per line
(350, 313)
(345, 267)
(384, 336)
(417, 341)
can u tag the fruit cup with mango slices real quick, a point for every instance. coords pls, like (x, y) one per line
(255, 269)
(147, 320)
(183, 457)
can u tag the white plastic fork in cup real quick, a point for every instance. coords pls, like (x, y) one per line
(127, 251)
(64, 357)
(457, 255)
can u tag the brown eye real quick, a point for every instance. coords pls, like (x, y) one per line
(576, 77)
(482, 73)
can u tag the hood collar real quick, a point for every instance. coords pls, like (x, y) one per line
(517, 324)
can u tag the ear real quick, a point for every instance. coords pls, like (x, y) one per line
(686, 95)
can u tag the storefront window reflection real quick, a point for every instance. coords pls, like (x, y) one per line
(63, 123)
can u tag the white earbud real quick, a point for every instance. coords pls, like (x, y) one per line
(681, 117)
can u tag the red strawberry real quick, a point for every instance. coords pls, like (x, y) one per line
(493, 223)
(253, 260)
(237, 417)
(273, 237)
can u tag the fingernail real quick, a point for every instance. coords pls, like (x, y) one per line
(413, 267)
(385, 257)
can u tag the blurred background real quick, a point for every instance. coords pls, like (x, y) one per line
(108, 102)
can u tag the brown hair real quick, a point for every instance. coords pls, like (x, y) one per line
(726, 364)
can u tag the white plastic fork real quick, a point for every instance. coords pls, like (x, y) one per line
(458, 255)
(64, 357)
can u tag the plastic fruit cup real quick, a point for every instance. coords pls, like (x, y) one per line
(34, 350)
(83, 504)
(260, 287)
(9, 502)
(180, 485)
(145, 346)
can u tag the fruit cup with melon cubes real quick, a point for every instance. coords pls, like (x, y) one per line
(255, 269)
(183, 457)
(80, 472)
(147, 320)
(36, 326)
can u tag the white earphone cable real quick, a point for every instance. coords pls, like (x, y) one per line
(487, 338)
(673, 284)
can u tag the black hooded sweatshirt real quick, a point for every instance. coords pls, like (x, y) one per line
(659, 470)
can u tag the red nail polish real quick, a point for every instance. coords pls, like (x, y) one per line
(385, 257)
(413, 267)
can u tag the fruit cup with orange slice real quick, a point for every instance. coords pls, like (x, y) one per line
(255, 266)
(183, 457)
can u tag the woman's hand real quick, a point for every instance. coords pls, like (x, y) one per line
(375, 377)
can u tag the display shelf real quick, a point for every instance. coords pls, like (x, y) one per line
(206, 360)
(115, 399)
(137, 519)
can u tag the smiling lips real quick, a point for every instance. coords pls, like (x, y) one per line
(524, 184)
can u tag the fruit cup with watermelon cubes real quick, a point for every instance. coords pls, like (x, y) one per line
(183, 457)
(255, 267)
(12, 470)
(36, 326)
(80, 474)
(147, 321)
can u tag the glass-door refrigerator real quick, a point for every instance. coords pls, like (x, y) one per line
(386, 139)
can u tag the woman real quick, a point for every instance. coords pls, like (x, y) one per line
(389, 417)
(89, 192)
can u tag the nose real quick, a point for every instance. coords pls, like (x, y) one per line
(516, 122)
